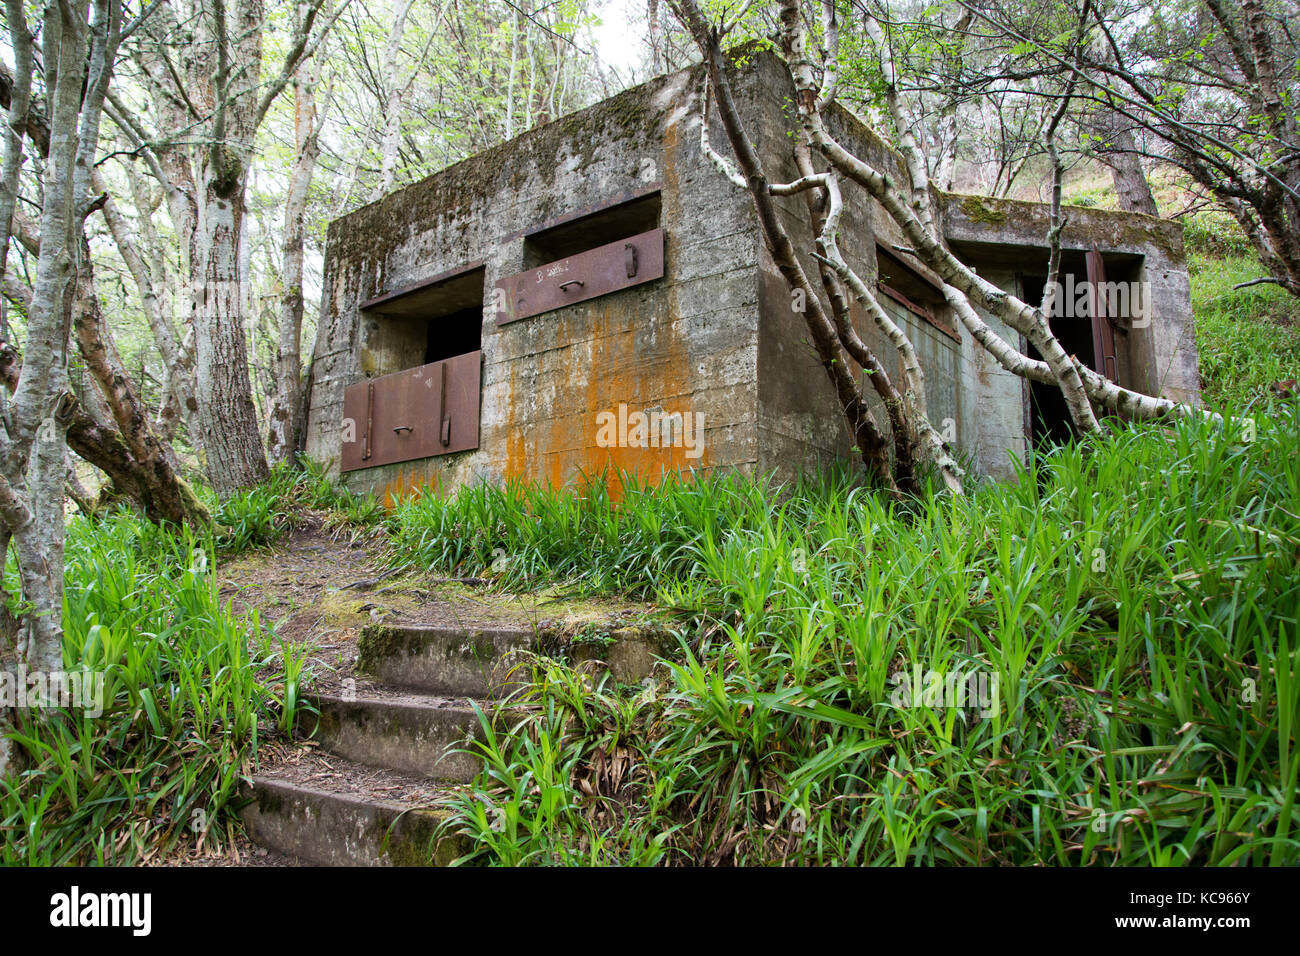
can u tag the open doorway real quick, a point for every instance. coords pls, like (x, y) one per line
(1094, 316)
(1049, 416)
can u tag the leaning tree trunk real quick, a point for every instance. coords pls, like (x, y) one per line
(1126, 173)
(909, 211)
(909, 202)
(156, 484)
(868, 437)
(139, 462)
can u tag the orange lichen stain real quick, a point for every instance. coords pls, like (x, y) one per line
(608, 361)
(639, 372)
(409, 485)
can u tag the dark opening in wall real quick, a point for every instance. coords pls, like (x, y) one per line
(428, 322)
(914, 292)
(423, 385)
(599, 228)
(1049, 416)
(454, 334)
(1104, 343)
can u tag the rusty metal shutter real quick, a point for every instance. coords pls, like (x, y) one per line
(596, 272)
(419, 413)
(1103, 334)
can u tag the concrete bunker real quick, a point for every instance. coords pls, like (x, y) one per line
(595, 295)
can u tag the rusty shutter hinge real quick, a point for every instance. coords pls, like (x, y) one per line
(370, 419)
(445, 433)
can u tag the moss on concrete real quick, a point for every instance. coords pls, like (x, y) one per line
(369, 232)
(339, 608)
(378, 643)
(414, 839)
(1106, 228)
(983, 209)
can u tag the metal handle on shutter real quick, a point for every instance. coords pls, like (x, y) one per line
(629, 259)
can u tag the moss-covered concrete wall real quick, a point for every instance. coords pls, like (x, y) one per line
(685, 343)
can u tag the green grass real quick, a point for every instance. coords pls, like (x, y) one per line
(190, 685)
(1211, 233)
(1246, 338)
(259, 516)
(1135, 603)
(182, 701)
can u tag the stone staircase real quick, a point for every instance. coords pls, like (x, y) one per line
(384, 755)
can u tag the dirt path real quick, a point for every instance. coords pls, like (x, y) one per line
(319, 589)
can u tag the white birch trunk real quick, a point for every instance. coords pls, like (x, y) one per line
(391, 140)
(33, 444)
(284, 436)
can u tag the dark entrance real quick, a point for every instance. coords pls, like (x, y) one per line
(425, 401)
(1049, 417)
(456, 333)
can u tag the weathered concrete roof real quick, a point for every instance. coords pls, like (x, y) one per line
(967, 218)
(623, 116)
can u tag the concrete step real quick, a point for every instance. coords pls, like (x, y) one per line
(478, 662)
(456, 661)
(385, 754)
(409, 733)
(336, 813)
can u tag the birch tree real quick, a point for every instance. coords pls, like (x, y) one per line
(287, 413)
(79, 42)
(911, 206)
(203, 64)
